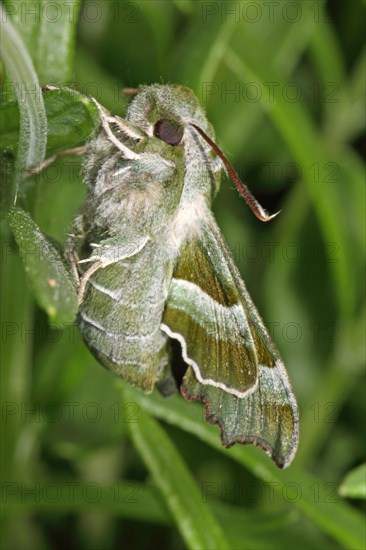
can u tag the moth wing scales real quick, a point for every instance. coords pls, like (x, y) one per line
(267, 414)
(204, 312)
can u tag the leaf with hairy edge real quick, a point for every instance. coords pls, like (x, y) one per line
(71, 117)
(33, 122)
(52, 285)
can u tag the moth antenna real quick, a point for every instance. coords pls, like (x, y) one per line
(253, 204)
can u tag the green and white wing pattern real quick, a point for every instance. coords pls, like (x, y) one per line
(233, 365)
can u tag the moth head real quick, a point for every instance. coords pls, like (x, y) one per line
(172, 114)
(166, 111)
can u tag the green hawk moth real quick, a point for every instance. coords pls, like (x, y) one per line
(152, 266)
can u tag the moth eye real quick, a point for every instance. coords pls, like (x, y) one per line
(170, 132)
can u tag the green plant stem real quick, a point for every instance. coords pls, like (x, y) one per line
(194, 520)
(33, 121)
(17, 346)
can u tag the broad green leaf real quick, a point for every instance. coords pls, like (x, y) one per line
(194, 519)
(71, 117)
(354, 484)
(51, 283)
(316, 499)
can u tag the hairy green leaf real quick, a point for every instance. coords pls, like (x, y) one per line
(71, 118)
(33, 123)
(51, 283)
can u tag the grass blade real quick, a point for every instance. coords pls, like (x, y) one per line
(194, 519)
(316, 499)
(297, 130)
(33, 122)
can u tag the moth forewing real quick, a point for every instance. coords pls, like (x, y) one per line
(152, 266)
(234, 367)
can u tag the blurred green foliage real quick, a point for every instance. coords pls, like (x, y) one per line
(283, 85)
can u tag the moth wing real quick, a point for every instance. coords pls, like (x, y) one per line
(234, 367)
(204, 312)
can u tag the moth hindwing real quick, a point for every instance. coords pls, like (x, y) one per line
(152, 266)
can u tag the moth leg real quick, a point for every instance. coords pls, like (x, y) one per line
(84, 279)
(113, 250)
(47, 162)
(73, 259)
(107, 252)
(72, 246)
